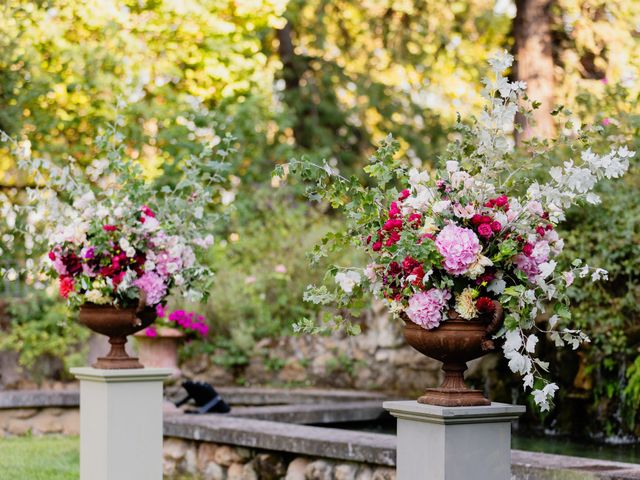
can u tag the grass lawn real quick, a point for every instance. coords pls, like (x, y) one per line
(52, 457)
(39, 458)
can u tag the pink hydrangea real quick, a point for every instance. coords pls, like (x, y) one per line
(153, 287)
(425, 308)
(459, 247)
(527, 264)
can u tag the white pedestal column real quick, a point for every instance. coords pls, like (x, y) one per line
(120, 423)
(453, 443)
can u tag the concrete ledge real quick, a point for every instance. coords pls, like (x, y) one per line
(373, 448)
(280, 396)
(39, 398)
(234, 395)
(314, 413)
(544, 466)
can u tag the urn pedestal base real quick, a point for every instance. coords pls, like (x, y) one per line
(120, 423)
(117, 358)
(453, 398)
(446, 443)
(454, 392)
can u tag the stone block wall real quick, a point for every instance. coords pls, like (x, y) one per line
(39, 421)
(223, 462)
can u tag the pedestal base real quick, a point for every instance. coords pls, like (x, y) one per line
(110, 363)
(453, 398)
(453, 443)
(121, 423)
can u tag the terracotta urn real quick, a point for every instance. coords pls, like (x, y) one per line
(117, 324)
(161, 350)
(454, 342)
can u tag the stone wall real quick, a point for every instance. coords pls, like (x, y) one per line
(223, 462)
(39, 421)
(378, 359)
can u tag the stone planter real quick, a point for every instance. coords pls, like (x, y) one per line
(454, 342)
(160, 351)
(117, 324)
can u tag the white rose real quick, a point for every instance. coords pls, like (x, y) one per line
(347, 280)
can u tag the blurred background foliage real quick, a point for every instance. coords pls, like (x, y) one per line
(329, 79)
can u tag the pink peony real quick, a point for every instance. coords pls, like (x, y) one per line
(153, 287)
(425, 308)
(459, 247)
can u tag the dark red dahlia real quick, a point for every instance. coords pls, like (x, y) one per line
(485, 305)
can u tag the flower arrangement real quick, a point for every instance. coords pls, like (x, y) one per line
(478, 230)
(115, 237)
(189, 323)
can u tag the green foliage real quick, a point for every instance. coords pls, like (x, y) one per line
(40, 325)
(263, 271)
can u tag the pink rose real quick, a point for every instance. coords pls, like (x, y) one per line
(485, 230)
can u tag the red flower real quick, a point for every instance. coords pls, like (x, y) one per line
(527, 249)
(485, 231)
(109, 228)
(409, 263)
(52, 256)
(66, 286)
(476, 219)
(540, 230)
(117, 279)
(377, 245)
(404, 194)
(147, 211)
(501, 201)
(495, 226)
(368, 239)
(395, 269)
(394, 211)
(393, 238)
(485, 305)
(548, 227)
(73, 263)
(419, 273)
(392, 224)
(414, 220)
(485, 219)
(485, 277)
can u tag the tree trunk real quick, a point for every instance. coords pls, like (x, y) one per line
(534, 64)
(294, 68)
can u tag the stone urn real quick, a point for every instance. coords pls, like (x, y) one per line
(454, 342)
(160, 350)
(116, 323)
